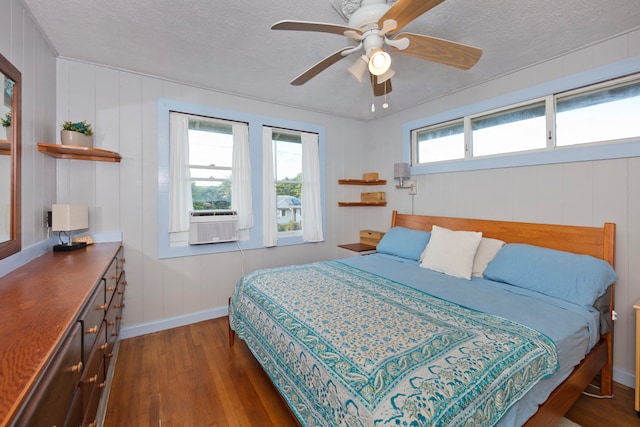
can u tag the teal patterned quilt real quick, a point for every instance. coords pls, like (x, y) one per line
(346, 347)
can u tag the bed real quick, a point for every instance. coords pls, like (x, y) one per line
(413, 335)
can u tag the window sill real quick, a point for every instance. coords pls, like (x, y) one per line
(561, 155)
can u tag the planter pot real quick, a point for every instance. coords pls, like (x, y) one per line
(8, 133)
(69, 137)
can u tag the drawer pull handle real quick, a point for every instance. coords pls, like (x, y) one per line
(123, 260)
(92, 424)
(114, 277)
(119, 305)
(111, 323)
(120, 292)
(77, 367)
(93, 330)
(101, 307)
(124, 282)
(110, 355)
(93, 379)
(102, 384)
(111, 289)
(104, 346)
(115, 334)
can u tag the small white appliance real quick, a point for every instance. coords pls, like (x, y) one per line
(213, 226)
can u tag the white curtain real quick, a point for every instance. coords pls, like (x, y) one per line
(241, 179)
(311, 193)
(269, 206)
(180, 200)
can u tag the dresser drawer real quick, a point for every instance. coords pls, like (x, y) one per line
(93, 374)
(52, 397)
(92, 384)
(91, 319)
(114, 274)
(75, 414)
(111, 280)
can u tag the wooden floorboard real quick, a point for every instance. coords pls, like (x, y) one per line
(189, 376)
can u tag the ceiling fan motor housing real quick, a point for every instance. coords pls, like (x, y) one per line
(367, 16)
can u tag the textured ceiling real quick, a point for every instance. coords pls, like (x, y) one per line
(227, 45)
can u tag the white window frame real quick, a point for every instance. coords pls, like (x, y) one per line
(256, 123)
(629, 147)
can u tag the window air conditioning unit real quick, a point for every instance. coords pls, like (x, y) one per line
(213, 226)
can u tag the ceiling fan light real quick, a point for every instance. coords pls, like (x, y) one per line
(358, 68)
(385, 76)
(380, 62)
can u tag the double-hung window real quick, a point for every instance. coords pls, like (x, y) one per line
(212, 159)
(205, 169)
(291, 186)
(287, 164)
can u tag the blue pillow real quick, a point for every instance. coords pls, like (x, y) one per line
(580, 279)
(404, 242)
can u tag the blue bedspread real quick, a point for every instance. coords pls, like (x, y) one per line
(348, 347)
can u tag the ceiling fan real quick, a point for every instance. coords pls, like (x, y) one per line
(374, 25)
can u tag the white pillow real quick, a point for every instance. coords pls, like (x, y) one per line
(451, 252)
(487, 250)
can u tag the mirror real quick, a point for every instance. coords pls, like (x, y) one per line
(10, 145)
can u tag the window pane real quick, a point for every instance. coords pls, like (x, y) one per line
(603, 115)
(511, 131)
(210, 157)
(288, 170)
(210, 148)
(440, 143)
(288, 160)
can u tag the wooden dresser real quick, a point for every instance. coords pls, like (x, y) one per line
(59, 322)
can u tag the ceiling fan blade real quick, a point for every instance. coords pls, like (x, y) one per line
(405, 11)
(438, 50)
(380, 89)
(319, 67)
(319, 27)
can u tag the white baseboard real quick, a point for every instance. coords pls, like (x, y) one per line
(625, 378)
(173, 322)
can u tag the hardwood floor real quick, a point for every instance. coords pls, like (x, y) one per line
(189, 376)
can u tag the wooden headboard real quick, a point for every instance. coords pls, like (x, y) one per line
(595, 241)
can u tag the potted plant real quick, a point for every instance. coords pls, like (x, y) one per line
(79, 134)
(6, 123)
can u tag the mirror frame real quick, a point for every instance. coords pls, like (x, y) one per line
(14, 244)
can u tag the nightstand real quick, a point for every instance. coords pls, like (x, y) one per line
(636, 306)
(360, 248)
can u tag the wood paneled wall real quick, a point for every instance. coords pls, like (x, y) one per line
(123, 108)
(22, 42)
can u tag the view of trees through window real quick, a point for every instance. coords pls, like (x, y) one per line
(211, 196)
(287, 157)
(210, 157)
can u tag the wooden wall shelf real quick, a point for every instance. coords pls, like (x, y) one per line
(343, 204)
(78, 153)
(361, 182)
(5, 147)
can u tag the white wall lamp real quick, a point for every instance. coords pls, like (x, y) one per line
(68, 218)
(402, 173)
